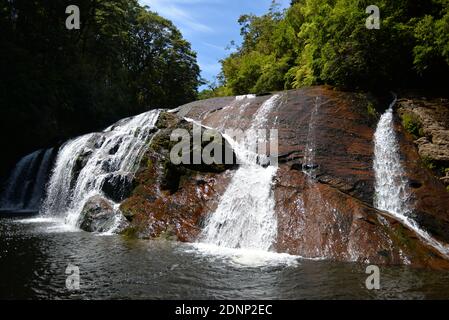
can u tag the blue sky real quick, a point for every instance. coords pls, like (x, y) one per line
(209, 25)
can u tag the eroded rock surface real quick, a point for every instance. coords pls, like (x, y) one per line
(428, 123)
(171, 201)
(333, 216)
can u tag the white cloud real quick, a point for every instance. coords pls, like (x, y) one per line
(172, 9)
(214, 46)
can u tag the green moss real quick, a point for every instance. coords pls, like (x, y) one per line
(169, 234)
(403, 238)
(127, 210)
(139, 191)
(428, 163)
(167, 120)
(372, 110)
(130, 233)
(412, 124)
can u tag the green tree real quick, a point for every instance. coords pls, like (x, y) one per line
(56, 83)
(327, 42)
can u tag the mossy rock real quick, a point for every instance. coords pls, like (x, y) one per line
(168, 235)
(371, 109)
(130, 233)
(127, 209)
(167, 120)
(412, 124)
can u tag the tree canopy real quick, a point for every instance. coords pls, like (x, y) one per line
(57, 83)
(327, 42)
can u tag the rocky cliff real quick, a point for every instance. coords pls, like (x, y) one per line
(328, 216)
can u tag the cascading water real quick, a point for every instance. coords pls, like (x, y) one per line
(391, 187)
(38, 191)
(309, 166)
(245, 216)
(85, 164)
(25, 187)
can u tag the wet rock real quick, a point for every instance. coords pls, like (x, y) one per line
(173, 173)
(98, 215)
(333, 217)
(425, 161)
(428, 122)
(329, 217)
(115, 148)
(170, 201)
(80, 163)
(319, 221)
(118, 187)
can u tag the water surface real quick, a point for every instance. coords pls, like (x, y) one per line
(34, 255)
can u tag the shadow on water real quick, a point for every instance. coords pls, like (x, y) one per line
(34, 255)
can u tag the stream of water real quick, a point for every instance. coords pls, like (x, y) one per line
(392, 192)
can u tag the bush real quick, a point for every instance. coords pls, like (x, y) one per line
(412, 124)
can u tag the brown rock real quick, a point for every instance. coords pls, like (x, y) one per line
(171, 201)
(319, 221)
(331, 217)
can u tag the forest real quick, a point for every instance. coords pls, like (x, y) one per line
(327, 42)
(125, 59)
(58, 83)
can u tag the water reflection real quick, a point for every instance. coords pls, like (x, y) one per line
(33, 263)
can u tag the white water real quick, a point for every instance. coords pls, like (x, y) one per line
(248, 258)
(309, 165)
(245, 216)
(25, 186)
(391, 187)
(41, 177)
(113, 153)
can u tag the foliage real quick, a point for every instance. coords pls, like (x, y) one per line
(57, 83)
(327, 42)
(372, 112)
(428, 163)
(412, 124)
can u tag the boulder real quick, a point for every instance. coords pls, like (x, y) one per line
(98, 215)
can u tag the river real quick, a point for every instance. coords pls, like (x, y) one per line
(35, 252)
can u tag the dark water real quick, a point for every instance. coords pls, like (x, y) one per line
(34, 258)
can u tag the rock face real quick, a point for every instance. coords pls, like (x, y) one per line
(425, 167)
(327, 215)
(118, 187)
(428, 123)
(333, 216)
(171, 201)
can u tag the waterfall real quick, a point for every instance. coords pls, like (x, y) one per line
(309, 166)
(38, 191)
(86, 164)
(392, 193)
(25, 186)
(245, 216)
